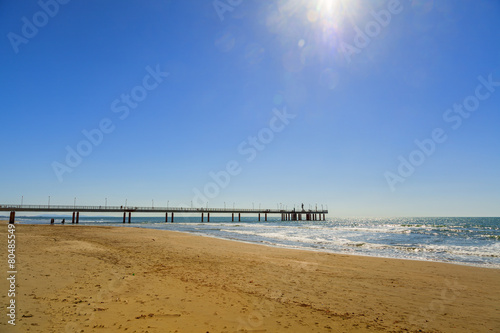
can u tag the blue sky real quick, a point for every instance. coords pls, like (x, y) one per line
(313, 101)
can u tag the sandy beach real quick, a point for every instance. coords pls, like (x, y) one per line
(107, 279)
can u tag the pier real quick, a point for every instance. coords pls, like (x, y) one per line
(286, 215)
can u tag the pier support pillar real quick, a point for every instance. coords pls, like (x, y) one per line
(265, 217)
(172, 219)
(324, 219)
(129, 217)
(201, 217)
(124, 216)
(166, 217)
(77, 217)
(232, 217)
(73, 218)
(259, 217)
(239, 217)
(208, 217)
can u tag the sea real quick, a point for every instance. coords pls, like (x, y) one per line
(471, 241)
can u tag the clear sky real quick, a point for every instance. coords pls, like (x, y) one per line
(374, 108)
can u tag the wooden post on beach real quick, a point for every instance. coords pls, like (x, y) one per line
(77, 217)
(12, 217)
(208, 217)
(129, 217)
(73, 218)
(172, 219)
(51, 221)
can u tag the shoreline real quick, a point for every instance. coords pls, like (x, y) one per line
(283, 246)
(141, 279)
(323, 251)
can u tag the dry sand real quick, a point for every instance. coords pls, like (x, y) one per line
(103, 279)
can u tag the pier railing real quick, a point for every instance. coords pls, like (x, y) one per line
(104, 208)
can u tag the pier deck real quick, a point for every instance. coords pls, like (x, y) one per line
(286, 215)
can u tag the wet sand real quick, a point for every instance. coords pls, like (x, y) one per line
(106, 279)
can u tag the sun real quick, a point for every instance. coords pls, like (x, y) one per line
(312, 31)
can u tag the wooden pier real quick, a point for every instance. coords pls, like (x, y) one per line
(286, 215)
